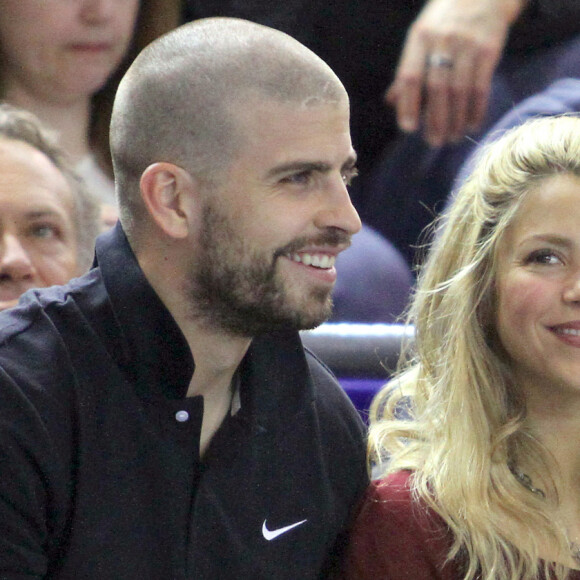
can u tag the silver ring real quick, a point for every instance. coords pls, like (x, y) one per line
(439, 60)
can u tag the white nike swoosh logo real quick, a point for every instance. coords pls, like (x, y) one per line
(272, 534)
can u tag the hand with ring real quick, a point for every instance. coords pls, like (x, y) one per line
(443, 79)
(437, 59)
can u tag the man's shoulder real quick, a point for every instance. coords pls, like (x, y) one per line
(319, 368)
(324, 378)
(35, 336)
(337, 415)
(42, 303)
(327, 389)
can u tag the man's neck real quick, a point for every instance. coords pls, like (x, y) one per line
(216, 353)
(217, 357)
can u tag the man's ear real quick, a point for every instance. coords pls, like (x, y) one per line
(168, 192)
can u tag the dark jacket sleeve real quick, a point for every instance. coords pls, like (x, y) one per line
(24, 496)
(544, 23)
(35, 450)
(555, 8)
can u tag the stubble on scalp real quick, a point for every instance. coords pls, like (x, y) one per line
(177, 103)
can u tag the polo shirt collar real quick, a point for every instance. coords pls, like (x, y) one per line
(156, 355)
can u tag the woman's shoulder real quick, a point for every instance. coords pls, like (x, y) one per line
(392, 496)
(395, 485)
(396, 535)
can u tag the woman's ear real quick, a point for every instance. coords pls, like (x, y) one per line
(169, 193)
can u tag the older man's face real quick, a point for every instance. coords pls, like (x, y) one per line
(38, 242)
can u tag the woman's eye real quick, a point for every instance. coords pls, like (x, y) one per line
(543, 257)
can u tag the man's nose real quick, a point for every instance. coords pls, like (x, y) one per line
(337, 210)
(14, 260)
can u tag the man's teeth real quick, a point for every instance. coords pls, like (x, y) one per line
(571, 331)
(316, 260)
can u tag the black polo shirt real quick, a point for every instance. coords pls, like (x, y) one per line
(100, 473)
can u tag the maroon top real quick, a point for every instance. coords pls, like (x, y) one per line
(397, 538)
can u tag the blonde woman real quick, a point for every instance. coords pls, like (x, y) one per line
(478, 436)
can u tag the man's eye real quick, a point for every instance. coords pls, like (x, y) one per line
(301, 178)
(43, 231)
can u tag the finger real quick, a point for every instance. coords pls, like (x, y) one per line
(407, 88)
(392, 94)
(462, 93)
(437, 101)
(484, 66)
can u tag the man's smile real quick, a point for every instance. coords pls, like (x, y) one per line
(319, 260)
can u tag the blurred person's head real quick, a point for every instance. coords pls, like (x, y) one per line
(48, 221)
(62, 60)
(60, 50)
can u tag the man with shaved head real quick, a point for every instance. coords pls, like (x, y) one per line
(159, 417)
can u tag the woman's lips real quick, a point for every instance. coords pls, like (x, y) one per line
(91, 47)
(569, 332)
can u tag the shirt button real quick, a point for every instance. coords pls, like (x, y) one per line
(182, 416)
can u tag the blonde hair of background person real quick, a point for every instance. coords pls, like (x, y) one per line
(19, 125)
(467, 426)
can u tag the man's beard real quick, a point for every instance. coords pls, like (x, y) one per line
(234, 288)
